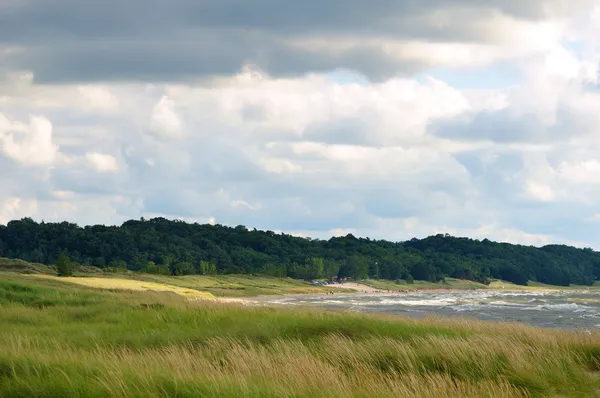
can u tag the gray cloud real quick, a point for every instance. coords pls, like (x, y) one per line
(497, 126)
(70, 40)
(505, 127)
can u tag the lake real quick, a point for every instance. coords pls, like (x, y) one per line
(572, 309)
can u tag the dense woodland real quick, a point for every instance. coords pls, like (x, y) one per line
(179, 248)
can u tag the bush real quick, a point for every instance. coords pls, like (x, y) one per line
(64, 267)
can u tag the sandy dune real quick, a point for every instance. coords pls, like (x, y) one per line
(128, 284)
(358, 287)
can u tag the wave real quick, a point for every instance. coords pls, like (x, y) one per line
(431, 302)
(479, 306)
(561, 307)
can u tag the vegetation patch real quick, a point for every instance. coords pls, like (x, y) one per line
(164, 247)
(129, 284)
(126, 343)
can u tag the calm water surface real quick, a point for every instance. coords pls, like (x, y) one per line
(577, 309)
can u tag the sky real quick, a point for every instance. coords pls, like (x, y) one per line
(391, 119)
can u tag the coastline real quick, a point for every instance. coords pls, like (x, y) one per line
(366, 291)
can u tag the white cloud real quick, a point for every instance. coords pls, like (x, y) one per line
(98, 97)
(499, 37)
(242, 203)
(561, 63)
(324, 154)
(16, 208)
(29, 144)
(63, 194)
(164, 122)
(279, 166)
(102, 163)
(584, 172)
(540, 191)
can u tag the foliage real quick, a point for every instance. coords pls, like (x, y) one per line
(183, 268)
(153, 268)
(61, 340)
(64, 267)
(164, 247)
(207, 268)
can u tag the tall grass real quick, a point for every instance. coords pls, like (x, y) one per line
(58, 340)
(240, 285)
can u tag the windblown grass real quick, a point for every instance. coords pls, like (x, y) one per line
(239, 285)
(17, 265)
(59, 339)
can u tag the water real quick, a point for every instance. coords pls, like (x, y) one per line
(576, 309)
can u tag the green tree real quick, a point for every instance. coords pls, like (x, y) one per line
(158, 269)
(315, 268)
(184, 268)
(207, 268)
(64, 267)
(237, 250)
(357, 267)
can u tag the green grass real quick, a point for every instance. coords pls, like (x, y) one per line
(16, 265)
(58, 339)
(220, 285)
(238, 285)
(25, 267)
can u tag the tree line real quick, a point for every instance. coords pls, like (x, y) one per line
(174, 247)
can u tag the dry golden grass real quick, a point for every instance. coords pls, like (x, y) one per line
(129, 284)
(335, 367)
(58, 340)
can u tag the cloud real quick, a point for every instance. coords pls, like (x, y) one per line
(102, 163)
(309, 120)
(540, 192)
(98, 97)
(164, 122)
(15, 208)
(66, 40)
(29, 144)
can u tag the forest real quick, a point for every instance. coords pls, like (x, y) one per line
(175, 247)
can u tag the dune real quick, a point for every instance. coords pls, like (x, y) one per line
(128, 284)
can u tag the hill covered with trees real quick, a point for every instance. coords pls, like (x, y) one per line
(175, 247)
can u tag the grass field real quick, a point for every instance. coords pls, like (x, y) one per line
(219, 286)
(239, 285)
(63, 339)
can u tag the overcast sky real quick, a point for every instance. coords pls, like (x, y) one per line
(389, 119)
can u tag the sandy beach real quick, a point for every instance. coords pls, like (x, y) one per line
(360, 290)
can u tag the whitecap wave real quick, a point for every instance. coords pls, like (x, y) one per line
(424, 302)
(561, 307)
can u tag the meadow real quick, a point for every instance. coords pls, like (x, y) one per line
(215, 285)
(239, 285)
(63, 339)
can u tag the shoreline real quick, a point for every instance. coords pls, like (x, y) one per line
(367, 292)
